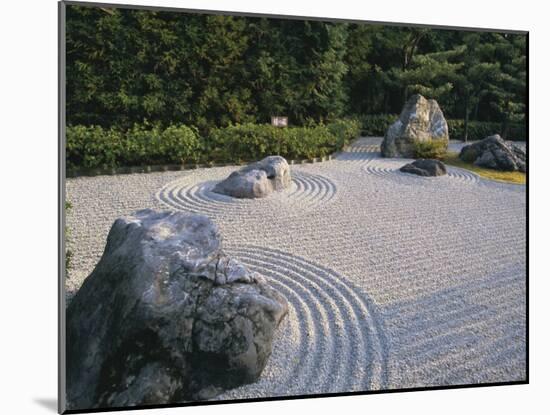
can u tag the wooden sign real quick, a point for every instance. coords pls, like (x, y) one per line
(279, 121)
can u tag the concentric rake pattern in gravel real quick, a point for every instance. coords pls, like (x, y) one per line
(366, 151)
(192, 195)
(443, 264)
(389, 169)
(339, 345)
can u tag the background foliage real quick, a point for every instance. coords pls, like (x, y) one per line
(127, 66)
(93, 147)
(376, 125)
(157, 69)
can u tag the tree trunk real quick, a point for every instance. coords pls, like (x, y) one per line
(476, 109)
(409, 50)
(505, 123)
(504, 128)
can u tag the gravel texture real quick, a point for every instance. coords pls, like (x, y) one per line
(393, 280)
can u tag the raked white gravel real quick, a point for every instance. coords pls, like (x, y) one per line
(393, 280)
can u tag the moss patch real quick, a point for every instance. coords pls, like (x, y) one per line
(432, 149)
(502, 176)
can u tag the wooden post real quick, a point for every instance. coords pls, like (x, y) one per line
(279, 121)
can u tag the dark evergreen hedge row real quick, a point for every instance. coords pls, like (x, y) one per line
(97, 147)
(127, 66)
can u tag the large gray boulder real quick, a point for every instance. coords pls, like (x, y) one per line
(258, 179)
(167, 317)
(421, 120)
(494, 153)
(425, 167)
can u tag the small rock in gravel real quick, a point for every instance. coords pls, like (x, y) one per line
(425, 167)
(258, 179)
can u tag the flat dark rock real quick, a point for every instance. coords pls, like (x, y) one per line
(167, 317)
(425, 167)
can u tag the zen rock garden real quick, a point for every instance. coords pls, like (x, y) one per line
(284, 208)
(258, 179)
(421, 120)
(176, 319)
(173, 318)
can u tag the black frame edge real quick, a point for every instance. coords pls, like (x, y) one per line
(294, 397)
(61, 99)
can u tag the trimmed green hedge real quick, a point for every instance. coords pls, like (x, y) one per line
(248, 142)
(377, 125)
(345, 130)
(95, 147)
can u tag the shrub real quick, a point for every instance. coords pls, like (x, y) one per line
(243, 142)
(246, 142)
(313, 142)
(146, 145)
(96, 147)
(143, 144)
(180, 144)
(376, 125)
(478, 130)
(434, 149)
(93, 147)
(345, 130)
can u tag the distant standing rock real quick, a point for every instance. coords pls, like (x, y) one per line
(420, 120)
(425, 167)
(494, 153)
(166, 317)
(258, 179)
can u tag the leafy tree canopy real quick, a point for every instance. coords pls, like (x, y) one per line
(130, 66)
